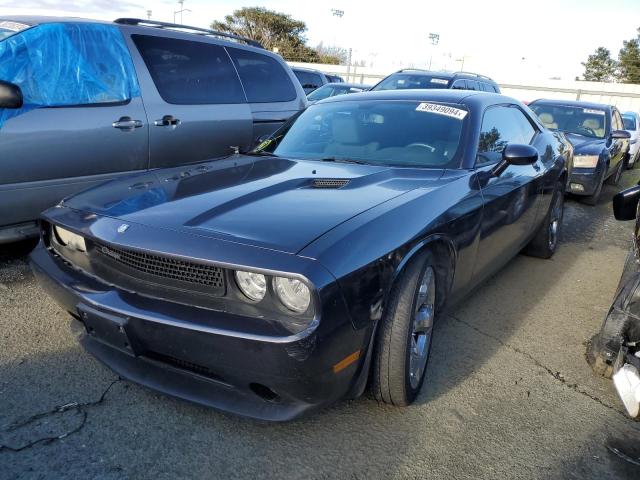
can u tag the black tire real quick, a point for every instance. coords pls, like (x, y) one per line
(603, 348)
(392, 379)
(614, 179)
(593, 199)
(545, 242)
(18, 249)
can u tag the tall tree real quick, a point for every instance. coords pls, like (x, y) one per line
(272, 30)
(599, 67)
(332, 55)
(629, 61)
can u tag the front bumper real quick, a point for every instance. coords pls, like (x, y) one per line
(584, 181)
(181, 350)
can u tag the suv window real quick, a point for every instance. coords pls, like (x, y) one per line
(308, 79)
(190, 73)
(459, 84)
(263, 77)
(69, 64)
(502, 125)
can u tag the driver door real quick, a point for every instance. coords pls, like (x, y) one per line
(510, 201)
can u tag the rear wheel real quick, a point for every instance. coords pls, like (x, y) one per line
(545, 243)
(403, 343)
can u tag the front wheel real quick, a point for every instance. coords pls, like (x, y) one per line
(403, 343)
(545, 243)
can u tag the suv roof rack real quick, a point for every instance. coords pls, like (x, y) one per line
(412, 70)
(195, 30)
(474, 75)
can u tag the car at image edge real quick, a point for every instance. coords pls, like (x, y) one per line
(278, 282)
(132, 95)
(631, 121)
(615, 351)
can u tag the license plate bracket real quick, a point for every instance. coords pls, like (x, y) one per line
(107, 328)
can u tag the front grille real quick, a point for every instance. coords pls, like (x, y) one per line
(330, 183)
(185, 365)
(163, 267)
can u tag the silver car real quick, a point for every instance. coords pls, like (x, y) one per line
(83, 101)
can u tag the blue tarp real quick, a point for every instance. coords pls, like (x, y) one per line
(67, 64)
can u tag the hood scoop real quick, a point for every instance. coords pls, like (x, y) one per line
(330, 183)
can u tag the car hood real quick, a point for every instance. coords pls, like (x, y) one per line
(268, 202)
(585, 145)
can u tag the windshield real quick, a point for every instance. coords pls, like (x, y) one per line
(587, 122)
(629, 122)
(331, 91)
(390, 133)
(410, 81)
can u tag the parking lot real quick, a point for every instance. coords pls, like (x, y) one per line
(509, 394)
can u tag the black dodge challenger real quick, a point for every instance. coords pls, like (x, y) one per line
(278, 281)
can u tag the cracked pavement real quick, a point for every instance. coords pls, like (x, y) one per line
(509, 393)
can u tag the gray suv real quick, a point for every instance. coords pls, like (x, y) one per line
(82, 102)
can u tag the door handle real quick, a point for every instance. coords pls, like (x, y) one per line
(127, 123)
(167, 121)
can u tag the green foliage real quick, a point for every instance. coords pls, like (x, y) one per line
(272, 30)
(600, 67)
(629, 61)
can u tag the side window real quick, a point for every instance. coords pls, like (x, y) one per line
(263, 77)
(502, 125)
(69, 64)
(472, 85)
(308, 79)
(459, 85)
(190, 73)
(487, 87)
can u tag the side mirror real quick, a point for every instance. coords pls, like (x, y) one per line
(10, 95)
(625, 203)
(620, 134)
(515, 154)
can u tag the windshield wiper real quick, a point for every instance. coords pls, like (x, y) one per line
(343, 160)
(259, 154)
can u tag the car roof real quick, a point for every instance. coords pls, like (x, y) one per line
(34, 20)
(471, 98)
(304, 69)
(180, 31)
(572, 103)
(347, 85)
(445, 75)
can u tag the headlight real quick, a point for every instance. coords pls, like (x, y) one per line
(293, 294)
(585, 161)
(69, 239)
(253, 285)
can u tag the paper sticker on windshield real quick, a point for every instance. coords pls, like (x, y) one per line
(439, 81)
(442, 110)
(13, 26)
(595, 112)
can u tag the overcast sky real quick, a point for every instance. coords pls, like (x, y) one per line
(509, 39)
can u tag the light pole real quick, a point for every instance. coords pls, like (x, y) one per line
(181, 11)
(149, 12)
(434, 38)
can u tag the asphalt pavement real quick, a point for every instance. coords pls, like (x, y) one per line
(509, 394)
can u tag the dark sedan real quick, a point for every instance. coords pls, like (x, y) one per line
(599, 141)
(277, 282)
(615, 350)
